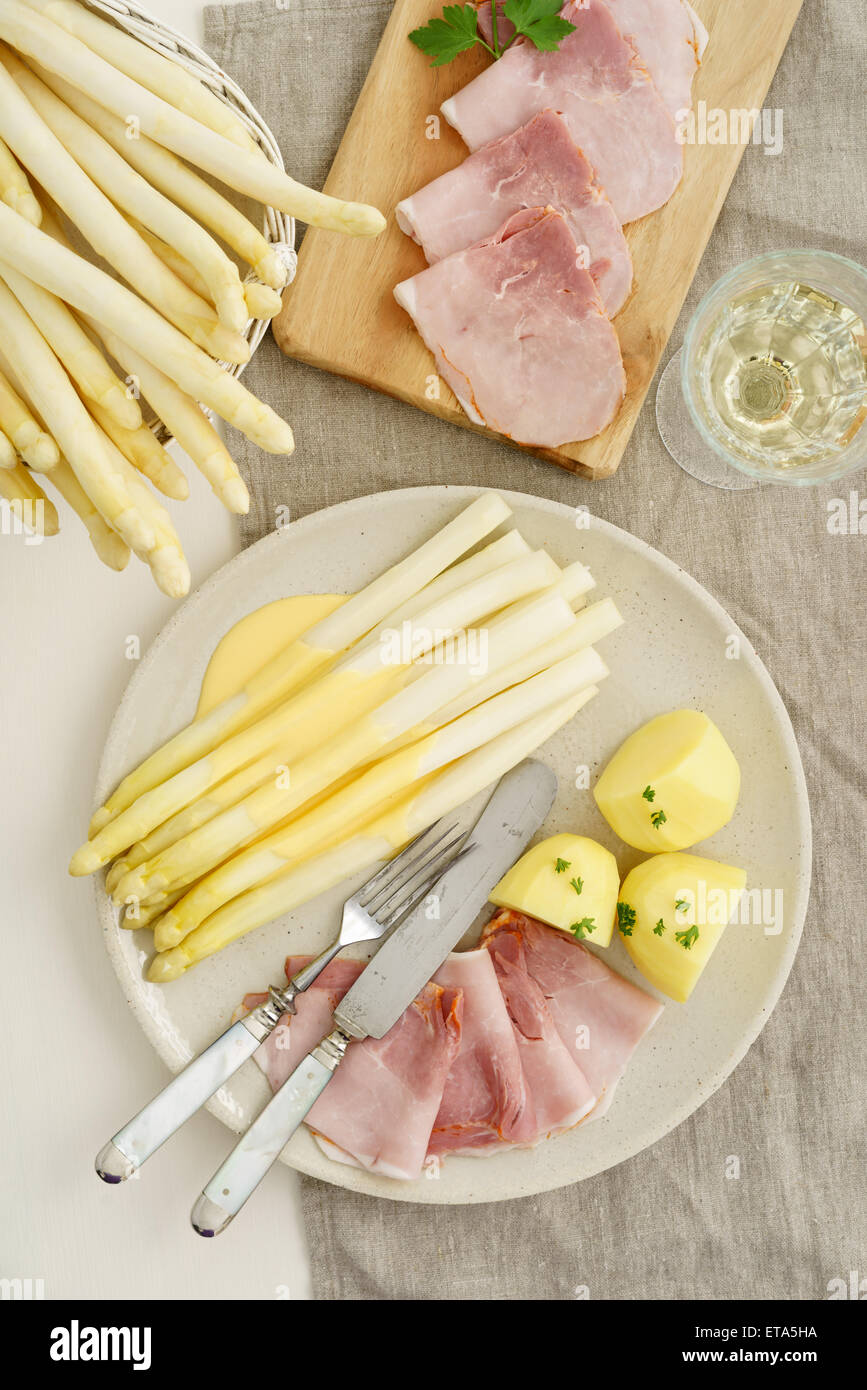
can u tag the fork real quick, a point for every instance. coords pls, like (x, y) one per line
(380, 904)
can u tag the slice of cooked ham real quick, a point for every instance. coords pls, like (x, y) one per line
(665, 35)
(668, 35)
(381, 1105)
(600, 1017)
(537, 166)
(486, 1101)
(520, 334)
(283, 1049)
(384, 1098)
(561, 1092)
(603, 90)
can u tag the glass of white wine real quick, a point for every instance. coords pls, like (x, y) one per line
(771, 382)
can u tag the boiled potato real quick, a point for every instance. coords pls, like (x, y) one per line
(672, 783)
(567, 881)
(671, 913)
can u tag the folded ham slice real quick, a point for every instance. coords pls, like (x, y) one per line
(518, 1040)
(669, 38)
(283, 1049)
(381, 1105)
(537, 166)
(561, 1092)
(520, 334)
(598, 82)
(600, 1017)
(486, 1101)
(668, 34)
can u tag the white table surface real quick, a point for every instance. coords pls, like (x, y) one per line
(75, 1065)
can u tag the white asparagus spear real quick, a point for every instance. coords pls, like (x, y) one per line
(27, 435)
(160, 548)
(575, 581)
(183, 419)
(262, 301)
(136, 915)
(28, 503)
(591, 626)
(346, 810)
(247, 173)
(172, 177)
(234, 788)
(8, 456)
(15, 187)
(107, 231)
(161, 75)
(301, 659)
(379, 840)
(55, 399)
(143, 450)
(109, 547)
(165, 557)
(415, 707)
(175, 262)
(79, 355)
(112, 551)
(299, 726)
(131, 193)
(93, 293)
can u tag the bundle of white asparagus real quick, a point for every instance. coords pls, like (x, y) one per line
(349, 741)
(104, 133)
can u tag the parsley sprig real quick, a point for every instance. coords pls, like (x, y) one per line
(577, 884)
(686, 938)
(458, 29)
(561, 865)
(625, 919)
(583, 928)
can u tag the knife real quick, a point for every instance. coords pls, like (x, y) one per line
(402, 966)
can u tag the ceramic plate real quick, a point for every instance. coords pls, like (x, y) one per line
(678, 648)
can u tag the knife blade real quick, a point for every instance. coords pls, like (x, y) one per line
(404, 963)
(412, 953)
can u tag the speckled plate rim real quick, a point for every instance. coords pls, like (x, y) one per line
(377, 504)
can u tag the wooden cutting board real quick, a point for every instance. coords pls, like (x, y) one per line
(340, 313)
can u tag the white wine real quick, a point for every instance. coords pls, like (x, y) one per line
(780, 376)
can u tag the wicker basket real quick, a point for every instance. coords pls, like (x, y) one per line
(278, 229)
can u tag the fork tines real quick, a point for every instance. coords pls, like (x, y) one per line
(405, 880)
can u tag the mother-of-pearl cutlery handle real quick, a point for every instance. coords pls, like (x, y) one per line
(258, 1149)
(186, 1093)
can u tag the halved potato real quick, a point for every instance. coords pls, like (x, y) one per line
(671, 913)
(569, 882)
(672, 783)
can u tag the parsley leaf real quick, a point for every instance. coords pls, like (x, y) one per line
(659, 929)
(648, 793)
(583, 928)
(561, 865)
(577, 884)
(625, 919)
(540, 21)
(681, 905)
(658, 818)
(443, 39)
(458, 29)
(686, 938)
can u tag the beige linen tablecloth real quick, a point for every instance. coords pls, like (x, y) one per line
(666, 1224)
